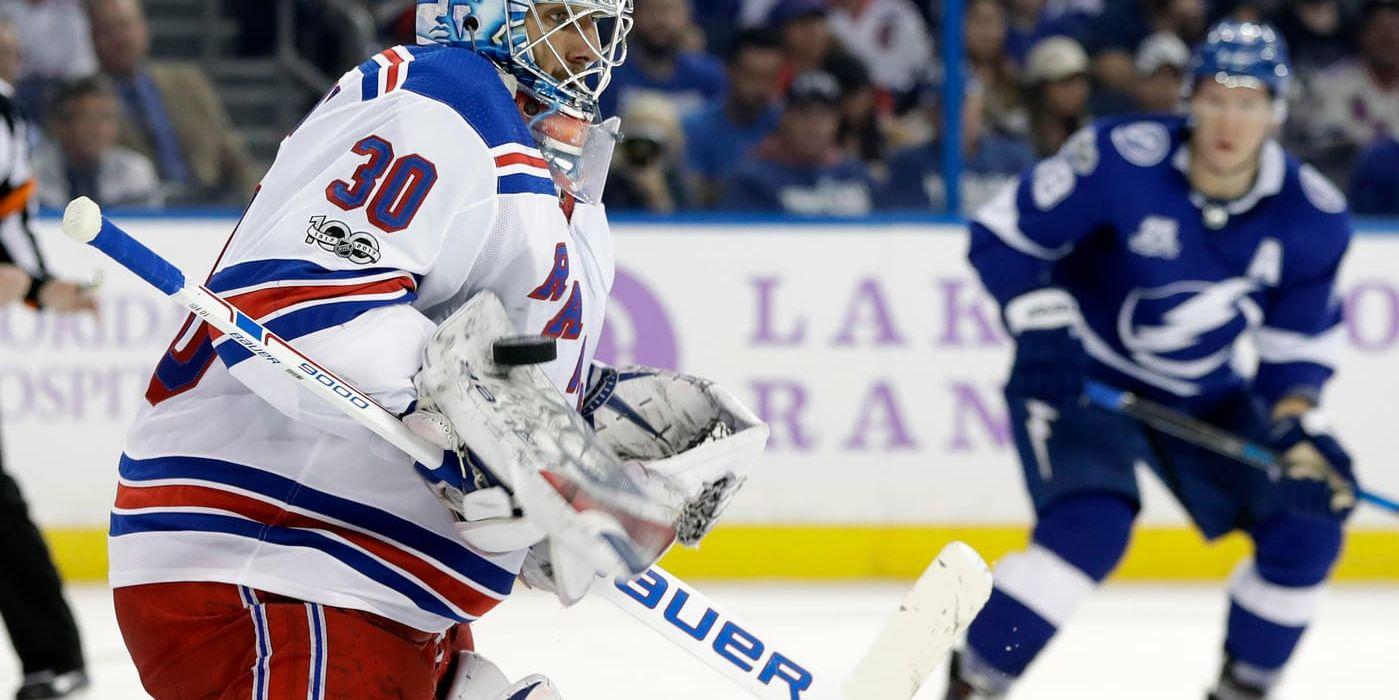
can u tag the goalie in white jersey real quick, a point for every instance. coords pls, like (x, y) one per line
(264, 544)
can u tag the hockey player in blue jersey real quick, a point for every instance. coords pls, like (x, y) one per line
(1137, 257)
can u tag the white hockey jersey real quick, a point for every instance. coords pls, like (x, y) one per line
(411, 187)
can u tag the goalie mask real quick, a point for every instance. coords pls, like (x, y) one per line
(522, 37)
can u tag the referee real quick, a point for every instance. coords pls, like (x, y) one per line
(31, 597)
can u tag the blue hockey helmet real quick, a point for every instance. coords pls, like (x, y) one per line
(497, 29)
(1243, 54)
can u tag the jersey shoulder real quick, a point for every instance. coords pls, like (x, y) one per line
(1306, 190)
(471, 87)
(1312, 213)
(1139, 141)
(467, 83)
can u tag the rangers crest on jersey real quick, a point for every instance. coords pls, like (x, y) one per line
(1158, 237)
(1143, 143)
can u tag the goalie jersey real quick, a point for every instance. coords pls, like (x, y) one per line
(411, 187)
(1167, 282)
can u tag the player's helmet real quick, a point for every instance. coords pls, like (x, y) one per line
(496, 29)
(1243, 54)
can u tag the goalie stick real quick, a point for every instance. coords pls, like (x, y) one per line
(912, 643)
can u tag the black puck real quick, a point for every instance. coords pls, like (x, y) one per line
(517, 350)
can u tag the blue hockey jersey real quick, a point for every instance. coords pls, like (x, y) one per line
(1167, 282)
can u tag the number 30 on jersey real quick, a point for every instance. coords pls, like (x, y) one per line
(396, 198)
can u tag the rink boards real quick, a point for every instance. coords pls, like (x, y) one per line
(870, 349)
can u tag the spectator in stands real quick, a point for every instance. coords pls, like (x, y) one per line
(799, 169)
(990, 160)
(1057, 90)
(84, 158)
(719, 21)
(1113, 37)
(1318, 33)
(170, 112)
(984, 33)
(1023, 20)
(862, 123)
(56, 47)
(719, 134)
(1161, 64)
(11, 54)
(1374, 185)
(646, 174)
(891, 39)
(807, 40)
(661, 60)
(1355, 102)
(755, 13)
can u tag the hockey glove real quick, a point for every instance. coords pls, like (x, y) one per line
(686, 434)
(681, 435)
(1318, 475)
(1050, 364)
(518, 434)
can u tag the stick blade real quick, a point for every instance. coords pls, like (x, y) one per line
(944, 601)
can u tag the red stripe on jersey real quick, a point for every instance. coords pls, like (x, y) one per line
(469, 599)
(395, 61)
(266, 301)
(289, 637)
(520, 159)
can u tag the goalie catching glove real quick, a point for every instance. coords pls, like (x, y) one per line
(687, 434)
(684, 436)
(527, 465)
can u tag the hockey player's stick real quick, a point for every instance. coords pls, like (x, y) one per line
(1198, 432)
(941, 604)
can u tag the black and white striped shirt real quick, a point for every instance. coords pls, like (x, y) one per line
(17, 201)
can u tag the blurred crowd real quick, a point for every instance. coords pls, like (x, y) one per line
(808, 107)
(109, 122)
(834, 107)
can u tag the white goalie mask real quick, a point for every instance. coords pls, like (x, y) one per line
(530, 40)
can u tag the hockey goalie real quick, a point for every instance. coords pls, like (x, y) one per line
(440, 197)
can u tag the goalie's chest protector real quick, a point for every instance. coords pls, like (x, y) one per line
(413, 186)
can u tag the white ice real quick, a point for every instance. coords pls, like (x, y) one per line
(1128, 642)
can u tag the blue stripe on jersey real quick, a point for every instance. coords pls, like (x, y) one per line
(309, 320)
(449, 552)
(247, 274)
(123, 524)
(471, 86)
(369, 70)
(522, 183)
(369, 84)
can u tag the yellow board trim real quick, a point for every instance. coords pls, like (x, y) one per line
(844, 553)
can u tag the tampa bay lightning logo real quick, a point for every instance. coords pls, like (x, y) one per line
(1187, 329)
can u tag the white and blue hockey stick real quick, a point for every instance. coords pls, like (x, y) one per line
(1202, 434)
(912, 643)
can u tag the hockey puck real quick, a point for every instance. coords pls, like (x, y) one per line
(517, 350)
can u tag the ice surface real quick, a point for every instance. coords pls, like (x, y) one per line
(1128, 641)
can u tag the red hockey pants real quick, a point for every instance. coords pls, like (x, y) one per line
(217, 641)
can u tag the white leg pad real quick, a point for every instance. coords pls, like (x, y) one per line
(478, 678)
(533, 687)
